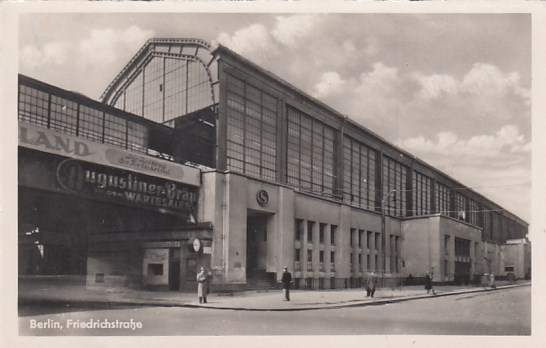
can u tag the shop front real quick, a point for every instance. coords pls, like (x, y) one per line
(115, 217)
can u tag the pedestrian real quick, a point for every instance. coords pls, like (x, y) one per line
(370, 285)
(202, 286)
(492, 281)
(286, 280)
(428, 283)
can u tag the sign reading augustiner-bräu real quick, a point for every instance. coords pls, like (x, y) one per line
(112, 184)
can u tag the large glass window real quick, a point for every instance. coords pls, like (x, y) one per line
(322, 228)
(91, 123)
(486, 217)
(115, 130)
(153, 90)
(133, 95)
(298, 229)
(310, 153)
(495, 227)
(394, 179)
(460, 207)
(166, 88)
(176, 75)
(251, 130)
(462, 247)
(70, 116)
(421, 194)
(136, 137)
(359, 179)
(64, 115)
(310, 225)
(442, 199)
(33, 106)
(473, 212)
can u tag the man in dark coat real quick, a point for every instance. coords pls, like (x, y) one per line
(428, 283)
(286, 279)
(370, 285)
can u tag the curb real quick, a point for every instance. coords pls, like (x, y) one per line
(358, 303)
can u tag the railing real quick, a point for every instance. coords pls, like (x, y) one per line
(71, 113)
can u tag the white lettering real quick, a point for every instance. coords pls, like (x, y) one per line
(48, 324)
(53, 142)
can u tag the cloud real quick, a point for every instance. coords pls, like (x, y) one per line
(291, 30)
(253, 42)
(435, 85)
(104, 46)
(483, 80)
(349, 48)
(102, 51)
(368, 98)
(381, 80)
(329, 84)
(506, 142)
(372, 46)
(496, 165)
(52, 53)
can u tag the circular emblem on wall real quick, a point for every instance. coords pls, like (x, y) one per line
(262, 197)
(70, 175)
(195, 245)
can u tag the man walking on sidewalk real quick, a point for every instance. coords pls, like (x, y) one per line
(428, 283)
(286, 279)
(370, 285)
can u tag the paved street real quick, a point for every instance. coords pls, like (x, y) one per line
(501, 312)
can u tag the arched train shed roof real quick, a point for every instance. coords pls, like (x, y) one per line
(195, 50)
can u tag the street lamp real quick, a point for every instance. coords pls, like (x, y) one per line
(384, 256)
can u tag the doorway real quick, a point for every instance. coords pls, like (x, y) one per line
(256, 249)
(462, 273)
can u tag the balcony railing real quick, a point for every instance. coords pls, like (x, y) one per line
(50, 107)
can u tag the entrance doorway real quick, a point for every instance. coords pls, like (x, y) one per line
(256, 250)
(462, 273)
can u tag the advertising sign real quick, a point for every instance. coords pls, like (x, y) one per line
(114, 185)
(58, 143)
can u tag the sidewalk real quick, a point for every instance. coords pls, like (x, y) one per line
(74, 294)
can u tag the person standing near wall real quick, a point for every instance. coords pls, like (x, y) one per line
(371, 284)
(428, 283)
(202, 286)
(286, 279)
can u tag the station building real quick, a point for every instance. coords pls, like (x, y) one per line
(196, 157)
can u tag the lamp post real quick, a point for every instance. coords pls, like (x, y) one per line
(384, 256)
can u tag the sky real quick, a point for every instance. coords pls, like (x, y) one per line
(452, 89)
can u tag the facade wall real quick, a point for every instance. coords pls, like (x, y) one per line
(516, 259)
(451, 231)
(421, 246)
(361, 156)
(111, 267)
(492, 258)
(430, 245)
(227, 200)
(337, 246)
